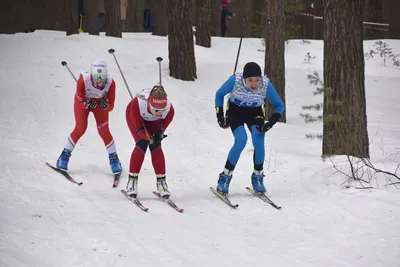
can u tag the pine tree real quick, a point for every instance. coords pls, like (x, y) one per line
(344, 115)
(182, 63)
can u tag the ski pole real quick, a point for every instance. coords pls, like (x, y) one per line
(66, 65)
(265, 106)
(240, 45)
(111, 51)
(159, 59)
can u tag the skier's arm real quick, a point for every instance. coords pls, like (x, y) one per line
(111, 96)
(137, 119)
(80, 95)
(276, 101)
(165, 122)
(225, 89)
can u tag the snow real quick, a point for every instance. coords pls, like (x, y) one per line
(47, 221)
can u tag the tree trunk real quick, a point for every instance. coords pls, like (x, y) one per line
(159, 9)
(90, 21)
(240, 24)
(193, 5)
(203, 35)
(182, 63)
(258, 23)
(215, 18)
(344, 115)
(296, 23)
(112, 23)
(373, 13)
(394, 18)
(60, 22)
(275, 50)
(71, 13)
(135, 15)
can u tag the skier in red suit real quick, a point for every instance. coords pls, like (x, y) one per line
(148, 116)
(95, 92)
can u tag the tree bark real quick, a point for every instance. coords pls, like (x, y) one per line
(203, 35)
(240, 24)
(112, 23)
(258, 22)
(275, 50)
(59, 21)
(71, 13)
(373, 13)
(344, 116)
(182, 63)
(135, 15)
(90, 21)
(394, 18)
(159, 9)
(215, 18)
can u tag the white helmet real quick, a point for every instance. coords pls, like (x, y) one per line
(98, 66)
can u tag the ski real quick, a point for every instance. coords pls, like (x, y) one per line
(135, 201)
(169, 202)
(224, 198)
(264, 198)
(65, 174)
(116, 179)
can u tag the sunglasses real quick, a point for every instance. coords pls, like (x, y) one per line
(102, 76)
(157, 110)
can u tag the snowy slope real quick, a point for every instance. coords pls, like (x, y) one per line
(47, 221)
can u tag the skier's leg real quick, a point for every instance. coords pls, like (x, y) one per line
(139, 151)
(257, 177)
(158, 161)
(102, 120)
(81, 123)
(235, 120)
(81, 117)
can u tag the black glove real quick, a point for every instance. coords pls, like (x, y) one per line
(269, 124)
(103, 103)
(222, 120)
(90, 103)
(158, 136)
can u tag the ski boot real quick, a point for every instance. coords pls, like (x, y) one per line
(63, 160)
(131, 186)
(115, 164)
(223, 183)
(162, 186)
(257, 181)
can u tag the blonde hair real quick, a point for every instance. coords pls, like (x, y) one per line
(158, 92)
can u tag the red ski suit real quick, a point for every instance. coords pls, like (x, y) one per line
(83, 92)
(135, 111)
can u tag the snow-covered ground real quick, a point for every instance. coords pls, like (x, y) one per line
(47, 221)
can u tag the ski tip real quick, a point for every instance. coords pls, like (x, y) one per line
(157, 194)
(80, 183)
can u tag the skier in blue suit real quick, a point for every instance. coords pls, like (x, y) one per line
(248, 93)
